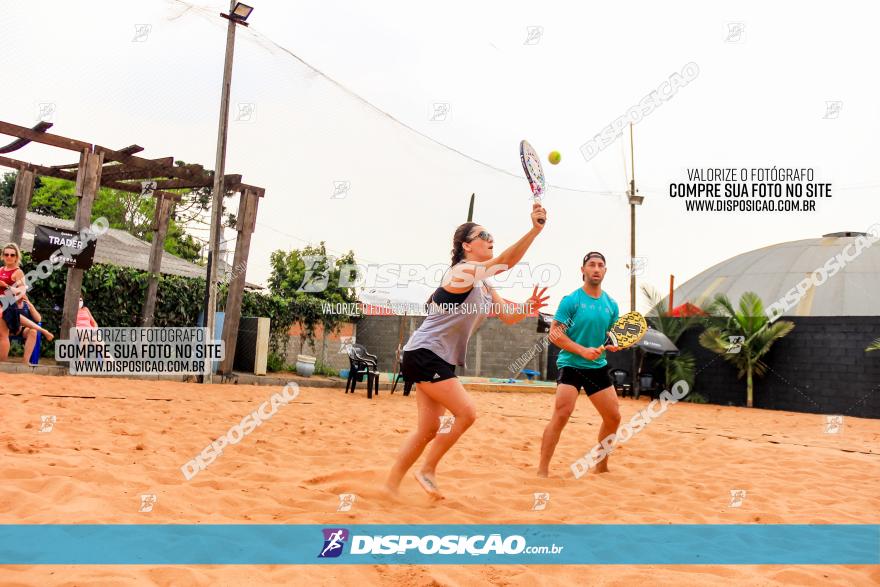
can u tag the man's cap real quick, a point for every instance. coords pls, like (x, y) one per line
(594, 255)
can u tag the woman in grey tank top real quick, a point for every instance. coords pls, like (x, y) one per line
(440, 344)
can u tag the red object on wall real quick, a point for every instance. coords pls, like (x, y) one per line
(685, 310)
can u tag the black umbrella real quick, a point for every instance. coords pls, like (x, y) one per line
(658, 343)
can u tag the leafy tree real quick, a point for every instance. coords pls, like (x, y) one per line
(681, 367)
(751, 323)
(7, 187)
(55, 197)
(309, 278)
(181, 244)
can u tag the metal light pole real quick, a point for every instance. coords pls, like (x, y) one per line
(634, 200)
(238, 13)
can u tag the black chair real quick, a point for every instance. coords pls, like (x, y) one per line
(648, 385)
(398, 375)
(621, 381)
(407, 385)
(362, 364)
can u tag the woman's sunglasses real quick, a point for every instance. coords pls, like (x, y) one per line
(483, 235)
(10, 255)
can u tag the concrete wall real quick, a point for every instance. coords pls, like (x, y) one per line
(491, 352)
(325, 348)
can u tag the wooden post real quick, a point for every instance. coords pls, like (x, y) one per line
(21, 199)
(160, 229)
(88, 179)
(247, 219)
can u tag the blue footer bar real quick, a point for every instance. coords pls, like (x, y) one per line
(551, 544)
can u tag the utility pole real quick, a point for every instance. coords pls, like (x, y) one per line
(238, 13)
(634, 200)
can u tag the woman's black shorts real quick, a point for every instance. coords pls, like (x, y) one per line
(592, 380)
(425, 365)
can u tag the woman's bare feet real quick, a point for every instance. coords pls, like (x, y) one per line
(49, 336)
(390, 493)
(601, 466)
(428, 483)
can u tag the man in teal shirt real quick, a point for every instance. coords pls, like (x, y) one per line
(579, 328)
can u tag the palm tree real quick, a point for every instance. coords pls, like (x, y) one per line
(682, 366)
(874, 346)
(757, 332)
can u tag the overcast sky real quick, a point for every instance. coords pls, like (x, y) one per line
(555, 74)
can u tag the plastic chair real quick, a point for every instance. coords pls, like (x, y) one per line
(398, 355)
(648, 385)
(621, 381)
(362, 363)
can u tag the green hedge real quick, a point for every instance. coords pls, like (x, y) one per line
(115, 296)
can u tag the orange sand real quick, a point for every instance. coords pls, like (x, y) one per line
(132, 438)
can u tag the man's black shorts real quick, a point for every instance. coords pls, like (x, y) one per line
(592, 380)
(425, 365)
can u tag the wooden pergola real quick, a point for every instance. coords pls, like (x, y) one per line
(123, 170)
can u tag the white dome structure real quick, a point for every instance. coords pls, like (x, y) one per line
(841, 270)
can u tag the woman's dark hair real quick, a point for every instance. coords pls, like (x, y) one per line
(461, 236)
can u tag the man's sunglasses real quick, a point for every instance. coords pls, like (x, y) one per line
(483, 235)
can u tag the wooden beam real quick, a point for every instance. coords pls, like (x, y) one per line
(130, 150)
(136, 189)
(124, 172)
(241, 187)
(58, 173)
(44, 138)
(38, 169)
(124, 156)
(163, 167)
(172, 184)
(17, 144)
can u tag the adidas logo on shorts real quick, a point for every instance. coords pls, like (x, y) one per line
(436, 376)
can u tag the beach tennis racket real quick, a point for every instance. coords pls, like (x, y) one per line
(627, 331)
(534, 171)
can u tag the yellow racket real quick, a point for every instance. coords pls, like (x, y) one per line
(627, 331)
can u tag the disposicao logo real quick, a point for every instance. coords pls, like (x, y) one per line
(334, 541)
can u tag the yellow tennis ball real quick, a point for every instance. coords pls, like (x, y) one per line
(554, 157)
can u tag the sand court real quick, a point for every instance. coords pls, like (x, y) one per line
(112, 441)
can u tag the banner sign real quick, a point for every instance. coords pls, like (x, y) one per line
(64, 244)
